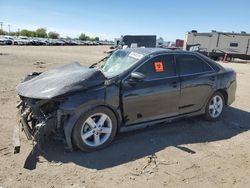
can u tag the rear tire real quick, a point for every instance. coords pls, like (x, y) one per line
(95, 129)
(214, 107)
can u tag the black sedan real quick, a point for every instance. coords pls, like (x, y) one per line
(87, 107)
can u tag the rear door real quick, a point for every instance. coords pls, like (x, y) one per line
(155, 97)
(198, 81)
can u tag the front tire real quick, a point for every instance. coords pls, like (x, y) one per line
(95, 129)
(215, 107)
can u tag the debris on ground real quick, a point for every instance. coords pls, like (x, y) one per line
(5, 151)
(151, 166)
(39, 64)
(193, 166)
(4, 148)
(151, 159)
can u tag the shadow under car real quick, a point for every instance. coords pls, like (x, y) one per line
(137, 144)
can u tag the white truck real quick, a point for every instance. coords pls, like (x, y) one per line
(219, 45)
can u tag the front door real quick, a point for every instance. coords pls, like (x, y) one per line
(156, 96)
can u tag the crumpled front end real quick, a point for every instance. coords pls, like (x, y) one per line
(38, 119)
(41, 95)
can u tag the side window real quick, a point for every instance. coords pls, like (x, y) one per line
(189, 64)
(162, 66)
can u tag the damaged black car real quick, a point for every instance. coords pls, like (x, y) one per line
(88, 106)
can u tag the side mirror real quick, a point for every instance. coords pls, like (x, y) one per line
(136, 77)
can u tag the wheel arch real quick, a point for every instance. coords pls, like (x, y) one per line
(70, 124)
(225, 95)
(117, 114)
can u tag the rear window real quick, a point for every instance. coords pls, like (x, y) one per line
(190, 64)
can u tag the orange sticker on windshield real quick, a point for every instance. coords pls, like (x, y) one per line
(159, 66)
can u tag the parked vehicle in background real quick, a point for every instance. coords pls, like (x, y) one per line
(22, 40)
(216, 44)
(87, 107)
(9, 40)
(88, 43)
(56, 42)
(74, 42)
(2, 41)
(36, 41)
(148, 41)
(6, 41)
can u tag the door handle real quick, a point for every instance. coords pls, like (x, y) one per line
(174, 84)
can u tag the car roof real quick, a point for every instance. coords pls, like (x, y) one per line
(156, 51)
(146, 51)
(160, 51)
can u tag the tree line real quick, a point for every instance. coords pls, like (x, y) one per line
(42, 33)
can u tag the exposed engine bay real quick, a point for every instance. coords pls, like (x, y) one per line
(40, 118)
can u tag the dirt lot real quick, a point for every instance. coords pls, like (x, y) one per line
(186, 153)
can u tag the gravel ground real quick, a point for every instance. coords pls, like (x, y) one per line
(185, 153)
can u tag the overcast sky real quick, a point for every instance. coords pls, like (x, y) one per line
(112, 18)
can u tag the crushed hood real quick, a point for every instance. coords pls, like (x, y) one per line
(61, 80)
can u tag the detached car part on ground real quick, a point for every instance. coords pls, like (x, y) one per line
(87, 107)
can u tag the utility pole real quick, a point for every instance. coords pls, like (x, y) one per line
(9, 28)
(1, 23)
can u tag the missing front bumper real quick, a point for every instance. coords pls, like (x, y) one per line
(16, 139)
(16, 134)
(22, 124)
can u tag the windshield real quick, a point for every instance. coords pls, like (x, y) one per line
(120, 61)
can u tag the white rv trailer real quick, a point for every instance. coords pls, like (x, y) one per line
(217, 44)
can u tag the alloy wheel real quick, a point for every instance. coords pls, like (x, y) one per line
(215, 106)
(96, 130)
